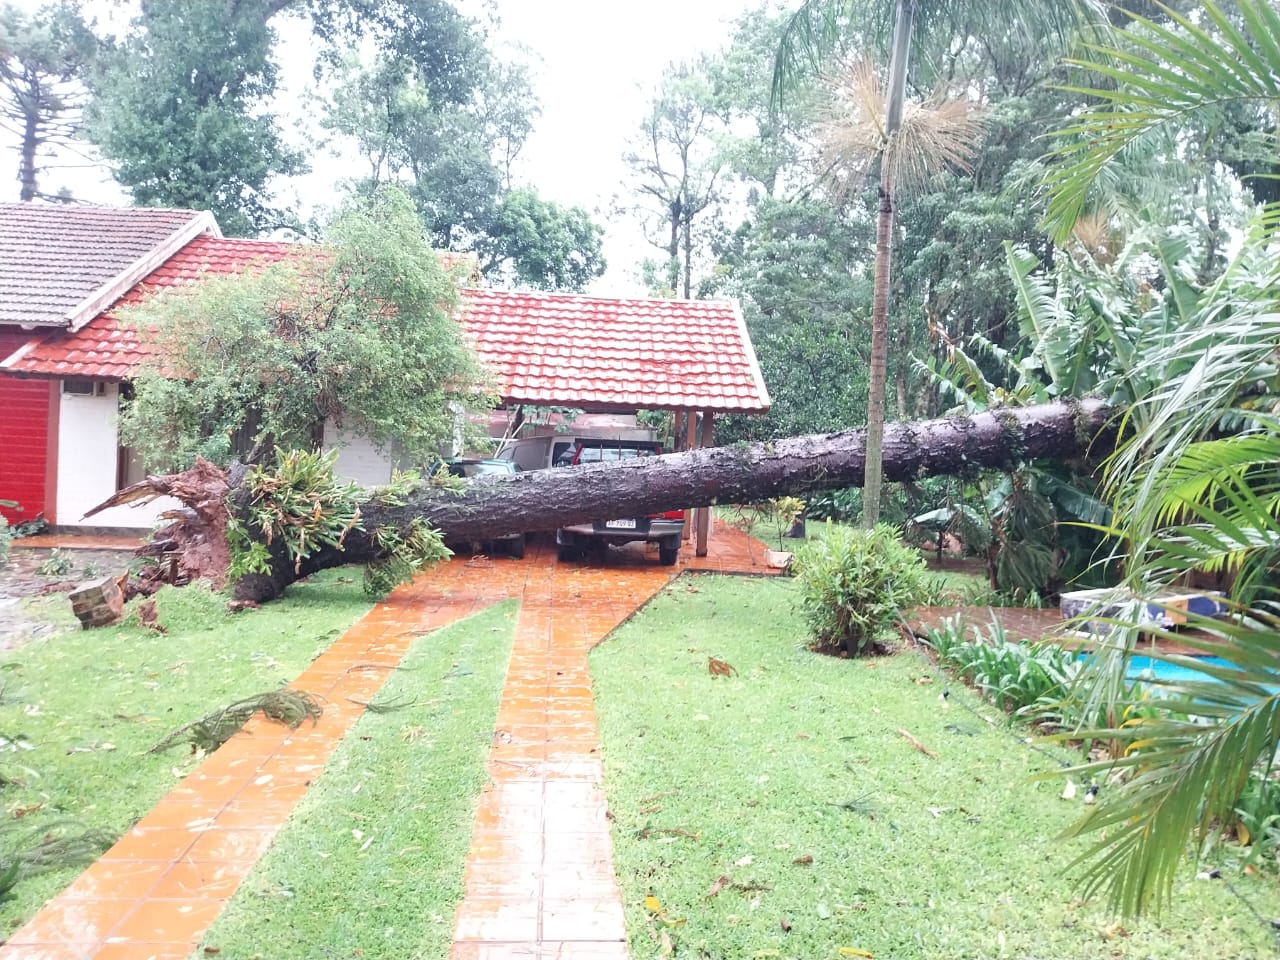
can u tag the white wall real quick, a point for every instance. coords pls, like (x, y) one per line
(88, 455)
(88, 450)
(358, 458)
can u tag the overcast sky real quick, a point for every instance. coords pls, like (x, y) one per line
(596, 67)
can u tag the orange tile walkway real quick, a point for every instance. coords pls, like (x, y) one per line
(539, 875)
(81, 541)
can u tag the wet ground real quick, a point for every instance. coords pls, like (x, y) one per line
(44, 571)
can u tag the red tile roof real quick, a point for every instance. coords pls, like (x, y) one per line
(603, 353)
(105, 349)
(55, 257)
(562, 349)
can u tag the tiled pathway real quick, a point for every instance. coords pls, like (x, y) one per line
(539, 880)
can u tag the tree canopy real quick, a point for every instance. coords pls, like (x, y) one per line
(356, 333)
(43, 55)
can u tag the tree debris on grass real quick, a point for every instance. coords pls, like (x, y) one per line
(290, 707)
(52, 845)
(648, 833)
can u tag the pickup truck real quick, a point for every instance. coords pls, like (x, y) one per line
(666, 529)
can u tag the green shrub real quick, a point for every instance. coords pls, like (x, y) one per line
(1256, 819)
(854, 585)
(845, 505)
(57, 564)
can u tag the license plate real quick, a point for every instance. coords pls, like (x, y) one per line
(620, 524)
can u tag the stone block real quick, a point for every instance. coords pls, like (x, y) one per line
(99, 603)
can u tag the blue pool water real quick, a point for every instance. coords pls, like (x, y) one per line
(1146, 667)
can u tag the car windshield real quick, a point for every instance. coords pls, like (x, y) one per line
(601, 454)
(479, 469)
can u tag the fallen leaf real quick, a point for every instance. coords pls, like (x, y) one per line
(803, 861)
(802, 736)
(720, 668)
(855, 952)
(917, 744)
(743, 861)
(824, 912)
(718, 885)
(668, 947)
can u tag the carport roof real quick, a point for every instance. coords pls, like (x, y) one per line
(551, 349)
(606, 354)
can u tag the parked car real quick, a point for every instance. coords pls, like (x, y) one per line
(468, 467)
(666, 529)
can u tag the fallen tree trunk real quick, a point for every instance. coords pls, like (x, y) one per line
(740, 473)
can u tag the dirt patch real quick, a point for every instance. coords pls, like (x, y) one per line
(1019, 623)
(21, 579)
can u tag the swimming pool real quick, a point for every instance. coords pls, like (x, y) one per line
(1147, 668)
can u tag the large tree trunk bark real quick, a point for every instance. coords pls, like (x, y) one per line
(741, 473)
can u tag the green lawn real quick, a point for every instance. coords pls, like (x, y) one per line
(79, 709)
(370, 864)
(781, 813)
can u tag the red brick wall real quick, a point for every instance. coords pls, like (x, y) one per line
(24, 435)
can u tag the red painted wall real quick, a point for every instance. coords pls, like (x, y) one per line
(24, 436)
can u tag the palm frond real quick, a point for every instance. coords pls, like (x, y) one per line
(1178, 778)
(1162, 76)
(812, 38)
(933, 135)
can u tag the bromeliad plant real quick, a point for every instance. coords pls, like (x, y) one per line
(298, 505)
(1018, 677)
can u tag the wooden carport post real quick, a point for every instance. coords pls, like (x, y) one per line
(704, 515)
(690, 441)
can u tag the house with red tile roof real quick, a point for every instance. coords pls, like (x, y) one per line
(60, 266)
(600, 354)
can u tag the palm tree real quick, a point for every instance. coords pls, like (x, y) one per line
(813, 37)
(909, 141)
(1195, 485)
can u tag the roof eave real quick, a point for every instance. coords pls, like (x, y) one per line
(752, 361)
(6, 364)
(115, 288)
